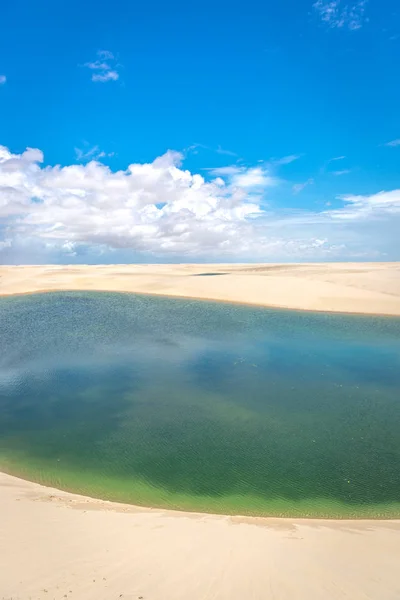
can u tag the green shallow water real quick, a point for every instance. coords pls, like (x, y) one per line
(202, 406)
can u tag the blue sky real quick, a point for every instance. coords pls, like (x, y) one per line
(278, 122)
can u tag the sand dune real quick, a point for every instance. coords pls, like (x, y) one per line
(59, 545)
(370, 288)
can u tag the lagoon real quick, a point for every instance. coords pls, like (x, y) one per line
(202, 406)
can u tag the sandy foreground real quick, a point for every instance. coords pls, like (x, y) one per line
(59, 545)
(370, 288)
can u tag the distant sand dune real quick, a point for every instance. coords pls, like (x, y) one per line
(369, 288)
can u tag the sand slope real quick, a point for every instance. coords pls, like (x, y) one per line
(345, 287)
(59, 545)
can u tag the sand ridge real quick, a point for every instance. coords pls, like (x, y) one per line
(366, 288)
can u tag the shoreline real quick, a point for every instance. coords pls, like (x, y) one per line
(340, 288)
(203, 299)
(115, 504)
(72, 546)
(134, 508)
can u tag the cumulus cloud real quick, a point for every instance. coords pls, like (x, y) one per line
(104, 68)
(156, 207)
(161, 209)
(338, 14)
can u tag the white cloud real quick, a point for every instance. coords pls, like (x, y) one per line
(381, 205)
(106, 76)
(103, 154)
(104, 68)
(3, 79)
(94, 153)
(299, 187)
(338, 14)
(245, 177)
(194, 148)
(220, 150)
(342, 172)
(69, 248)
(253, 178)
(5, 244)
(106, 54)
(326, 166)
(156, 207)
(393, 143)
(161, 209)
(286, 160)
(224, 171)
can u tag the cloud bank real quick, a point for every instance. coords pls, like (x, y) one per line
(161, 210)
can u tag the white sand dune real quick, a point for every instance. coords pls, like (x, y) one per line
(371, 288)
(55, 545)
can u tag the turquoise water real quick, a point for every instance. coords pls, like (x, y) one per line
(202, 406)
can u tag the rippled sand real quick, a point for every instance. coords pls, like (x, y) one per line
(59, 545)
(370, 288)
